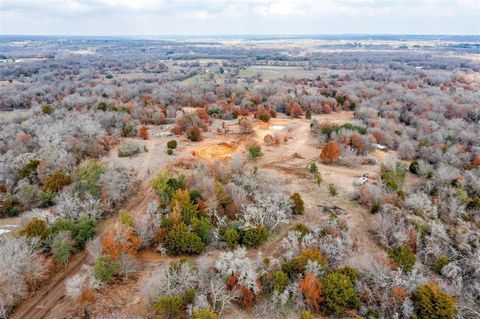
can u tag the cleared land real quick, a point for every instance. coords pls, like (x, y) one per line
(289, 160)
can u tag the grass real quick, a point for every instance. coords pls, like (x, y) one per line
(274, 72)
(202, 78)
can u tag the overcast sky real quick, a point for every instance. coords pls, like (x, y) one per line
(213, 17)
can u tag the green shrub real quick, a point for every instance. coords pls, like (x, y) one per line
(297, 265)
(84, 230)
(35, 228)
(166, 223)
(56, 182)
(62, 246)
(194, 134)
(213, 111)
(432, 303)
(340, 99)
(414, 167)
(180, 240)
(403, 257)
(204, 313)
(128, 149)
(47, 109)
(442, 261)
(328, 130)
(254, 152)
(165, 186)
(339, 293)
(313, 168)
(350, 272)
(305, 315)
(231, 237)
(169, 151)
(279, 281)
(302, 229)
(202, 227)
(195, 196)
(253, 237)
(308, 115)
(189, 296)
(375, 208)
(264, 117)
(298, 208)
(102, 106)
(28, 169)
(126, 218)
(62, 224)
(372, 314)
(393, 180)
(169, 306)
(332, 190)
(105, 269)
(45, 198)
(128, 130)
(181, 201)
(88, 174)
(9, 207)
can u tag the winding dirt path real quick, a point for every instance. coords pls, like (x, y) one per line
(50, 295)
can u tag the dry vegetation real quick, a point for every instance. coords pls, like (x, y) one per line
(163, 183)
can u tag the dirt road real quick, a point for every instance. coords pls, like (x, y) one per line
(50, 295)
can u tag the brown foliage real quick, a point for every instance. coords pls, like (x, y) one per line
(399, 293)
(311, 287)
(326, 108)
(330, 152)
(143, 132)
(194, 134)
(242, 112)
(379, 136)
(120, 240)
(294, 109)
(356, 141)
(202, 113)
(412, 238)
(248, 298)
(476, 162)
(87, 297)
(232, 281)
(176, 130)
(24, 138)
(56, 182)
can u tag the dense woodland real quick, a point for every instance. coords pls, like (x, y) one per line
(69, 102)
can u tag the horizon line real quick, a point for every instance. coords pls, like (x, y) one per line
(241, 34)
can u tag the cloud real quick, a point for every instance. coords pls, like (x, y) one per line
(238, 16)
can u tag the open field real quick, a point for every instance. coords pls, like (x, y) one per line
(274, 72)
(202, 78)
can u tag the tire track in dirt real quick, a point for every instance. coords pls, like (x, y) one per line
(46, 298)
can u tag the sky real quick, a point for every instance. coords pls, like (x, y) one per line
(238, 17)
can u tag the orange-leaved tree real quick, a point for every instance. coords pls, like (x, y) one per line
(330, 152)
(311, 287)
(120, 239)
(143, 133)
